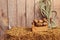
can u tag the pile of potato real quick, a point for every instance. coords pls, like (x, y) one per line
(39, 23)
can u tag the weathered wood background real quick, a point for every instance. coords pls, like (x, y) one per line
(22, 12)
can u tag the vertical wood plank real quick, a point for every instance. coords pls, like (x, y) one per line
(30, 12)
(21, 12)
(4, 8)
(12, 12)
(57, 8)
(3, 12)
(0, 8)
(3, 16)
(37, 9)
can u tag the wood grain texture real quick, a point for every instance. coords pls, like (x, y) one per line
(21, 12)
(56, 7)
(12, 12)
(3, 16)
(30, 12)
(37, 9)
(0, 10)
(3, 12)
(4, 8)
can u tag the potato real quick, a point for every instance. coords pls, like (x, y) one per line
(44, 19)
(45, 23)
(39, 24)
(36, 20)
(40, 21)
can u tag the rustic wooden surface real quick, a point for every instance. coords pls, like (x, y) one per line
(12, 12)
(22, 12)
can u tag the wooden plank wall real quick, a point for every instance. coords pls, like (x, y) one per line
(57, 8)
(22, 12)
(3, 7)
(30, 11)
(3, 18)
(3, 12)
(12, 12)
